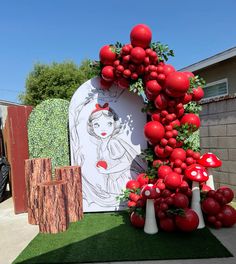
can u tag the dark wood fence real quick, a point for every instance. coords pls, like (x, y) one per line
(16, 144)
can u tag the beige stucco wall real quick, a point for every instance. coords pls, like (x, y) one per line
(221, 70)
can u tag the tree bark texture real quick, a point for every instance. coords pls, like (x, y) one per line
(53, 214)
(72, 174)
(36, 171)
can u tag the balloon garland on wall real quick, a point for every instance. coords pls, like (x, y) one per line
(177, 191)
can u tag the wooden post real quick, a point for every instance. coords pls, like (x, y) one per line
(72, 174)
(36, 171)
(53, 215)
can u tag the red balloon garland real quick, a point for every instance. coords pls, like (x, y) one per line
(171, 99)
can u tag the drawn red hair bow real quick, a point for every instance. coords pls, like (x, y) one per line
(100, 108)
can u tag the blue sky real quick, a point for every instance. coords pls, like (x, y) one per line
(46, 31)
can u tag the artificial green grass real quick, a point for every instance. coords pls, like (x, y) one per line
(102, 237)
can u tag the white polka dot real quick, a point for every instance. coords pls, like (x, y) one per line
(157, 190)
(205, 174)
(198, 167)
(147, 192)
(208, 159)
(150, 184)
(193, 173)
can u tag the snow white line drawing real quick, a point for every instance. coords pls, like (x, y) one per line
(117, 161)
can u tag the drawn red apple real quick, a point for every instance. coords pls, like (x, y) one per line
(102, 163)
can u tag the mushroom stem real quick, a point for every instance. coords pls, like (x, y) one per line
(150, 226)
(195, 204)
(210, 181)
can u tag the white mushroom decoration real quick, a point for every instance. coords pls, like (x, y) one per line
(150, 192)
(197, 174)
(209, 161)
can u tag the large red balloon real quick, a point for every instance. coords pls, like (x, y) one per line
(154, 131)
(178, 83)
(141, 36)
(188, 222)
(229, 215)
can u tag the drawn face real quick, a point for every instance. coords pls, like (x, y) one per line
(103, 126)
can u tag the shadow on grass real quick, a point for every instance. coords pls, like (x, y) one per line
(109, 237)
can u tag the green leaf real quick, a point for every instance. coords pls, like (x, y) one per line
(162, 51)
(192, 107)
(137, 87)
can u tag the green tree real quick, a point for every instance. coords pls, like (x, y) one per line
(55, 80)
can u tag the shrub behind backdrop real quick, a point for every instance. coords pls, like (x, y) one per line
(48, 132)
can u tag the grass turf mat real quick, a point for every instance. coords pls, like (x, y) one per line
(102, 237)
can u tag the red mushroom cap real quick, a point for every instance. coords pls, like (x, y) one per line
(196, 172)
(150, 191)
(209, 160)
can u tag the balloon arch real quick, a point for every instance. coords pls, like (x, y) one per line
(177, 191)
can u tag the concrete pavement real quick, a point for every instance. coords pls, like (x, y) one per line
(16, 233)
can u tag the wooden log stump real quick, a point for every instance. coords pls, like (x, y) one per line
(53, 214)
(36, 171)
(72, 174)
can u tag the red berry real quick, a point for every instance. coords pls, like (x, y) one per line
(169, 134)
(126, 59)
(120, 68)
(108, 73)
(189, 160)
(164, 113)
(164, 142)
(168, 149)
(132, 67)
(116, 63)
(177, 170)
(189, 153)
(153, 75)
(161, 77)
(126, 73)
(178, 162)
(183, 166)
(196, 155)
(168, 128)
(169, 117)
(164, 206)
(175, 132)
(172, 142)
(134, 76)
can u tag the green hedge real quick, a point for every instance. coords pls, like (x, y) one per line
(48, 132)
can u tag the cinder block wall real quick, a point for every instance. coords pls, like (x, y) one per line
(218, 135)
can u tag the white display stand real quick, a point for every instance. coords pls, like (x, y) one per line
(106, 138)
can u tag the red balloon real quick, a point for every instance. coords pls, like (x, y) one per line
(229, 216)
(154, 131)
(137, 220)
(188, 222)
(210, 206)
(167, 224)
(177, 82)
(192, 120)
(173, 180)
(141, 36)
